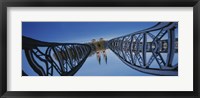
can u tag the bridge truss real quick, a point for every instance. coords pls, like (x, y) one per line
(159, 42)
(47, 59)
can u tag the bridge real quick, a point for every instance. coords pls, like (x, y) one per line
(64, 58)
(132, 49)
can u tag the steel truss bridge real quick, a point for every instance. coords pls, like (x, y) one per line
(65, 59)
(134, 47)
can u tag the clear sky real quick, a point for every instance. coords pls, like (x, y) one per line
(80, 31)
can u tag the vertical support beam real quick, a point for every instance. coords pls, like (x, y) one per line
(171, 47)
(122, 45)
(77, 57)
(117, 47)
(131, 50)
(84, 50)
(69, 55)
(82, 53)
(144, 46)
(59, 58)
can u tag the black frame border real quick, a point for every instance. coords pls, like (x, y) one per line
(99, 3)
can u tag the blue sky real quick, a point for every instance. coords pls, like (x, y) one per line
(80, 31)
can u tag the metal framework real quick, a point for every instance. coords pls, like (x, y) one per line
(47, 59)
(133, 48)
